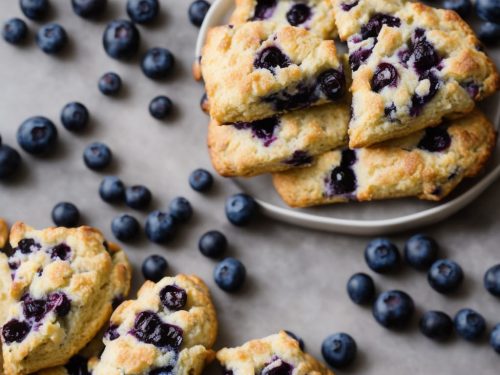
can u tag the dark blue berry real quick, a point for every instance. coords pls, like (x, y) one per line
(112, 189)
(154, 268)
(271, 58)
(88, 8)
(125, 227)
(10, 160)
(34, 9)
(263, 129)
(296, 338)
(469, 324)
(417, 101)
(240, 209)
(435, 139)
(347, 6)
(382, 255)
(357, 58)
(173, 297)
(60, 303)
(149, 328)
(160, 107)
(230, 274)
(385, 75)
(14, 31)
(51, 38)
(121, 39)
(421, 251)
(201, 180)
(110, 83)
(142, 11)
(462, 7)
(37, 135)
(298, 14)
(138, 197)
(61, 251)
(180, 209)
(339, 350)
(160, 227)
(197, 11)
(425, 56)
(264, 9)
(34, 308)
(299, 158)
(157, 63)
(74, 116)
(492, 280)
(65, 214)
(375, 24)
(332, 83)
(212, 244)
(342, 180)
(393, 309)
(15, 331)
(97, 156)
(488, 10)
(436, 325)
(361, 288)
(495, 338)
(28, 246)
(445, 276)
(277, 367)
(489, 33)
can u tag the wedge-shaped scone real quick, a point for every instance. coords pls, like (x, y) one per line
(412, 66)
(170, 328)
(57, 290)
(275, 354)
(259, 69)
(427, 165)
(277, 143)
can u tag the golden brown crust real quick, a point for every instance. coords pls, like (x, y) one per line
(4, 233)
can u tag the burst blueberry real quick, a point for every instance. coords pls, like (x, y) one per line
(160, 107)
(212, 244)
(51, 38)
(157, 63)
(240, 209)
(382, 255)
(180, 209)
(435, 139)
(154, 268)
(201, 180)
(385, 75)
(197, 11)
(469, 324)
(173, 297)
(492, 280)
(97, 156)
(445, 276)
(125, 227)
(230, 274)
(65, 214)
(10, 161)
(436, 325)
(375, 24)
(110, 84)
(14, 31)
(60, 252)
(421, 251)
(271, 58)
(160, 227)
(149, 328)
(37, 135)
(142, 11)
(15, 331)
(361, 288)
(34, 9)
(339, 350)
(89, 8)
(33, 308)
(121, 39)
(74, 116)
(138, 197)
(60, 303)
(112, 190)
(264, 9)
(332, 84)
(425, 56)
(393, 309)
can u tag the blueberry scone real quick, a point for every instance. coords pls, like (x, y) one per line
(277, 143)
(4, 233)
(170, 328)
(412, 66)
(275, 354)
(259, 69)
(314, 15)
(427, 165)
(57, 289)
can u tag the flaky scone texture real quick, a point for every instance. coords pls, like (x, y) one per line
(127, 353)
(271, 351)
(441, 68)
(238, 90)
(58, 285)
(277, 144)
(399, 168)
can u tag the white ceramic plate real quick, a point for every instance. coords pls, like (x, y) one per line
(371, 218)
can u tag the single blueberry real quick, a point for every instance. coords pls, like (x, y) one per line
(489, 33)
(375, 24)
(28, 246)
(14, 31)
(34, 9)
(297, 338)
(142, 11)
(469, 324)
(125, 227)
(10, 160)
(488, 10)
(34, 308)
(382, 255)
(342, 180)
(121, 39)
(37, 135)
(240, 209)
(212, 244)
(339, 350)
(149, 328)
(270, 58)
(65, 214)
(160, 107)
(421, 251)
(88, 8)
(51, 38)
(197, 11)
(495, 338)
(230, 274)
(201, 180)
(138, 197)
(180, 209)
(97, 156)
(60, 303)
(264, 9)
(154, 268)
(425, 56)
(74, 116)
(112, 189)
(298, 14)
(157, 63)
(385, 75)
(332, 84)
(61, 251)
(15, 331)
(436, 325)
(445, 276)
(462, 7)
(436, 139)
(492, 280)
(77, 365)
(393, 309)
(160, 227)
(173, 297)
(110, 83)
(361, 288)
(277, 367)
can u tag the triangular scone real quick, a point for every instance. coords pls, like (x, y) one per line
(412, 65)
(169, 328)
(259, 69)
(275, 354)
(428, 164)
(58, 293)
(314, 15)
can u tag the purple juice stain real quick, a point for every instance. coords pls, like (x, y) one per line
(262, 129)
(417, 101)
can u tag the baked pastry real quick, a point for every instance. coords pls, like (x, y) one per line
(412, 66)
(427, 165)
(314, 15)
(169, 328)
(57, 289)
(275, 354)
(277, 143)
(259, 69)
(4, 233)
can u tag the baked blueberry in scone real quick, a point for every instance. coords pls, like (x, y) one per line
(259, 69)
(169, 329)
(278, 354)
(277, 143)
(427, 164)
(413, 65)
(57, 290)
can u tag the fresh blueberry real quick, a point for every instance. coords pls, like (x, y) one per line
(110, 83)
(14, 31)
(160, 227)
(382, 255)
(88, 8)
(121, 39)
(34, 9)
(201, 180)
(157, 63)
(112, 189)
(240, 209)
(10, 160)
(65, 214)
(173, 297)
(125, 227)
(385, 75)
(15, 331)
(138, 197)
(142, 11)
(469, 324)
(212, 244)
(462, 7)
(97, 156)
(51, 38)
(436, 325)
(74, 116)
(160, 107)
(230, 274)
(298, 14)
(492, 280)
(489, 33)
(180, 209)
(445, 276)
(488, 10)
(296, 338)
(361, 288)
(154, 268)
(421, 251)
(393, 309)
(339, 350)
(495, 338)
(37, 135)
(197, 11)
